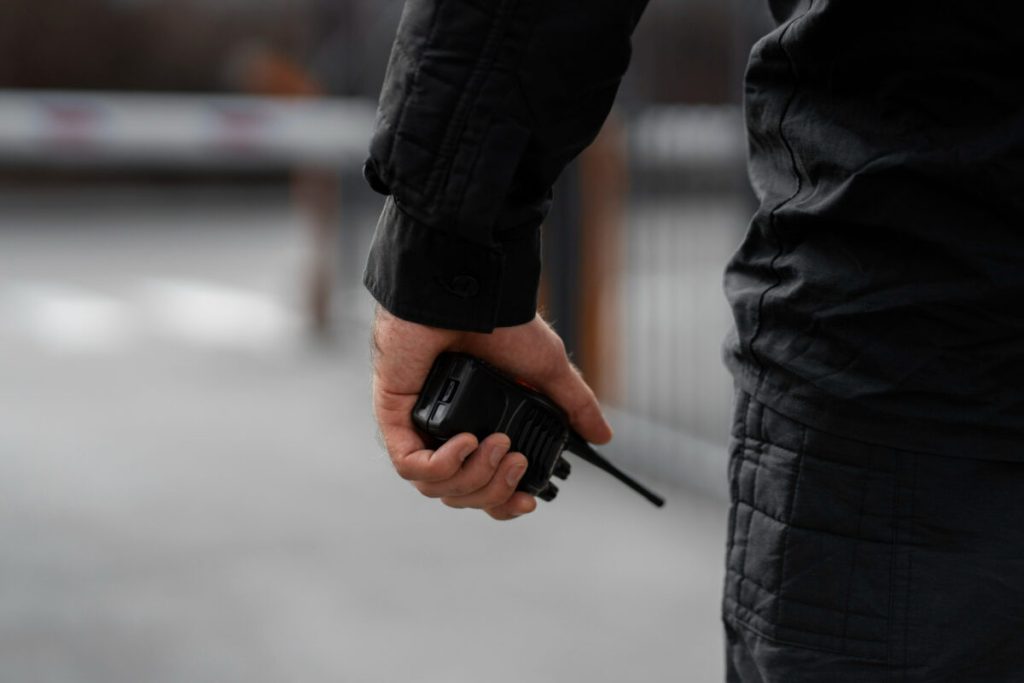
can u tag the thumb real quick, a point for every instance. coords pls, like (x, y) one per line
(534, 353)
(567, 388)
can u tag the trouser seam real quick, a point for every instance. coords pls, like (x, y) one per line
(750, 517)
(866, 483)
(788, 521)
(910, 562)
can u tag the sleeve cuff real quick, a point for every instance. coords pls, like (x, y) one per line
(437, 278)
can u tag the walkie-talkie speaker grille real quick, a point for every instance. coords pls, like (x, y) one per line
(540, 436)
(464, 394)
(535, 432)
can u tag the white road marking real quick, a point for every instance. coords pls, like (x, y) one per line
(69, 319)
(207, 314)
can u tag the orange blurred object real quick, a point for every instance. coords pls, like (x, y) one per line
(261, 71)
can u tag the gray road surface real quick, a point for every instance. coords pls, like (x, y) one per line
(191, 492)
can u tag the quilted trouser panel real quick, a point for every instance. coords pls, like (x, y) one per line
(814, 555)
(849, 562)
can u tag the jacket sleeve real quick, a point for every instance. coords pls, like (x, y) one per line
(483, 105)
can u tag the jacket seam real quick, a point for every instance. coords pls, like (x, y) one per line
(452, 140)
(780, 248)
(413, 81)
(476, 161)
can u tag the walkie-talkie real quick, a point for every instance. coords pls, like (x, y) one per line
(465, 394)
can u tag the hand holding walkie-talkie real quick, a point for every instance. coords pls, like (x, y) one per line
(464, 394)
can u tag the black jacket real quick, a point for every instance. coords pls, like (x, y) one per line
(879, 292)
(484, 103)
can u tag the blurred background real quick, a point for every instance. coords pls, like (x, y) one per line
(190, 485)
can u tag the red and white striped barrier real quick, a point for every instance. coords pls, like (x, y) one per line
(98, 129)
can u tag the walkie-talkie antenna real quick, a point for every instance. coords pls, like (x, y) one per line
(581, 448)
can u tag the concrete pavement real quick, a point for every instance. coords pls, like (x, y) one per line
(191, 492)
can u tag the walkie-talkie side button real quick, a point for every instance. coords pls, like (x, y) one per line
(548, 493)
(562, 468)
(449, 391)
(439, 413)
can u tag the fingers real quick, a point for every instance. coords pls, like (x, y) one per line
(462, 472)
(498, 490)
(426, 465)
(407, 449)
(486, 480)
(403, 354)
(518, 505)
(476, 472)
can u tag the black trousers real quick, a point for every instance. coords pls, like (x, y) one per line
(853, 562)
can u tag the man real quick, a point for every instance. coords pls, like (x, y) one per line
(877, 466)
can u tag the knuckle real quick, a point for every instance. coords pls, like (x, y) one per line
(426, 470)
(499, 496)
(403, 469)
(426, 489)
(445, 469)
(558, 345)
(454, 490)
(500, 515)
(580, 411)
(465, 487)
(453, 503)
(473, 484)
(556, 365)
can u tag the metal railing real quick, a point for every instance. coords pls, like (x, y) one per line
(685, 209)
(683, 212)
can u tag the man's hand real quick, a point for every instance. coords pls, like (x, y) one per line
(462, 472)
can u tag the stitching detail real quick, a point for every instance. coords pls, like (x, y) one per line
(413, 82)
(776, 639)
(750, 519)
(897, 489)
(789, 519)
(752, 616)
(736, 460)
(853, 561)
(403, 309)
(803, 603)
(910, 558)
(780, 249)
(735, 476)
(810, 530)
(470, 96)
(516, 78)
(865, 469)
